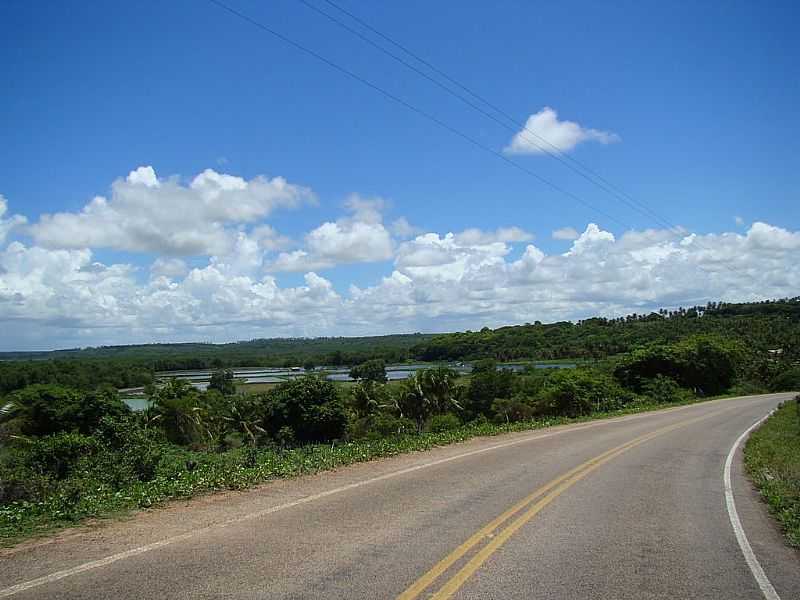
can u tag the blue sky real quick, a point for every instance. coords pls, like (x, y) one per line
(701, 97)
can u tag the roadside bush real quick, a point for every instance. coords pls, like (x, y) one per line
(517, 408)
(706, 364)
(786, 381)
(380, 425)
(748, 388)
(307, 407)
(485, 385)
(40, 410)
(579, 392)
(442, 423)
(387, 425)
(132, 447)
(56, 456)
(664, 390)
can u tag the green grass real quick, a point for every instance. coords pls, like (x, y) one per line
(239, 469)
(772, 457)
(254, 388)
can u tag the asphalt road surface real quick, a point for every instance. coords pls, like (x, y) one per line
(633, 507)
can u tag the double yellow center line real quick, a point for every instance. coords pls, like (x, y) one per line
(534, 503)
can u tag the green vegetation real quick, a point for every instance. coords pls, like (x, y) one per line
(72, 452)
(772, 456)
(759, 327)
(372, 370)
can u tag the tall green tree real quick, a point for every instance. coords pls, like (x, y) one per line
(428, 392)
(39, 410)
(223, 382)
(179, 412)
(309, 407)
(372, 370)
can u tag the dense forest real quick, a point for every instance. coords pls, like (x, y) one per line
(761, 326)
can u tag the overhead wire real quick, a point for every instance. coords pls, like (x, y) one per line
(572, 163)
(577, 166)
(444, 125)
(397, 99)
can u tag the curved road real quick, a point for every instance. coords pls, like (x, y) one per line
(632, 507)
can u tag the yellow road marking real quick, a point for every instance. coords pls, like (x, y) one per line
(423, 582)
(550, 491)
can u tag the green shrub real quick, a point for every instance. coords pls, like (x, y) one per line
(705, 363)
(442, 423)
(786, 381)
(485, 385)
(223, 382)
(134, 448)
(578, 392)
(40, 410)
(372, 370)
(309, 407)
(665, 390)
(56, 456)
(380, 425)
(511, 410)
(748, 388)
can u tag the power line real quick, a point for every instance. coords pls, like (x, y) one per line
(413, 108)
(578, 167)
(572, 163)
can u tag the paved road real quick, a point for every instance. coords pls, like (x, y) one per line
(625, 508)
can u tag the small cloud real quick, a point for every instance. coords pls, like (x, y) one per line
(739, 220)
(222, 161)
(165, 216)
(565, 233)
(543, 132)
(358, 238)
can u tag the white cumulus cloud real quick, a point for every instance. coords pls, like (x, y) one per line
(562, 136)
(361, 237)
(438, 282)
(164, 216)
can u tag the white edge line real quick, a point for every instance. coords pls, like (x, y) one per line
(102, 562)
(755, 567)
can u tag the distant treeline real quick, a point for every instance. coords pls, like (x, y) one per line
(759, 326)
(762, 326)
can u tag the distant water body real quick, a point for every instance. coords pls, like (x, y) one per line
(200, 378)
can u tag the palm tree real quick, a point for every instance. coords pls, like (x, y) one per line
(242, 415)
(177, 408)
(426, 393)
